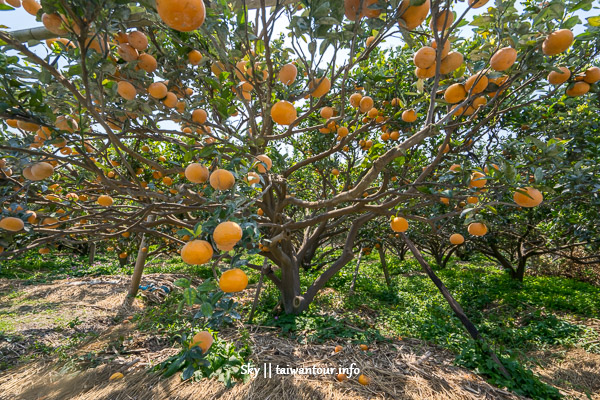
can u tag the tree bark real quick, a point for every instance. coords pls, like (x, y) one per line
(469, 326)
(258, 289)
(386, 272)
(92, 252)
(351, 291)
(140, 263)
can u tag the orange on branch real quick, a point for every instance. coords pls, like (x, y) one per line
(503, 59)
(528, 197)
(12, 224)
(326, 112)
(424, 57)
(451, 62)
(41, 171)
(54, 23)
(283, 113)
(196, 173)
(444, 21)
(457, 239)
(138, 40)
(355, 99)
(557, 78)
(455, 93)
(477, 82)
(288, 73)
(262, 161)
(158, 90)
(194, 57)
(126, 90)
(557, 42)
(399, 224)
(477, 229)
(221, 179)
(366, 104)
(412, 16)
(105, 200)
(233, 280)
(182, 15)
(226, 235)
(592, 75)
(319, 86)
(477, 180)
(578, 89)
(196, 252)
(409, 115)
(147, 63)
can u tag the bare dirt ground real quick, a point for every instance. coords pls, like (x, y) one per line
(64, 339)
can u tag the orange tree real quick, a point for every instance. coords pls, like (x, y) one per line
(205, 129)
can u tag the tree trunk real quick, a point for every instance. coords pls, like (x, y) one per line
(140, 263)
(386, 272)
(351, 291)
(469, 326)
(92, 252)
(519, 274)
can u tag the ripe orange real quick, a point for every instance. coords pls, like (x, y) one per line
(354, 10)
(444, 21)
(127, 52)
(457, 239)
(355, 99)
(326, 112)
(126, 90)
(138, 40)
(557, 42)
(203, 340)
(528, 197)
(409, 116)
(196, 173)
(157, 90)
(41, 170)
(338, 348)
(364, 380)
(31, 6)
(44, 250)
(425, 73)
(233, 280)
(477, 180)
(578, 89)
(170, 100)
(194, 57)
(147, 63)
(105, 200)
(196, 252)
(288, 73)
(364, 347)
(28, 126)
(319, 86)
(592, 75)
(477, 229)
(182, 15)
(412, 16)
(221, 179)
(253, 178)
(283, 112)
(341, 377)
(226, 235)
(451, 62)
(199, 116)
(342, 131)
(366, 104)
(557, 78)
(478, 82)
(425, 57)
(54, 23)
(12, 224)
(263, 160)
(503, 59)
(455, 93)
(399, 224)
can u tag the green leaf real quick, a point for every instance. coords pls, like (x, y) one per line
(189, 295)
(207, 309)
(182, 283)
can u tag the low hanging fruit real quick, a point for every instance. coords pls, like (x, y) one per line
(283, 113)
(226, 235)
(457, 239)
(12, 224)
(233, 280)
(221, 179)
(203, 340)
(197, 252)
(399, 224)
(196, 173)
(477, 229)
